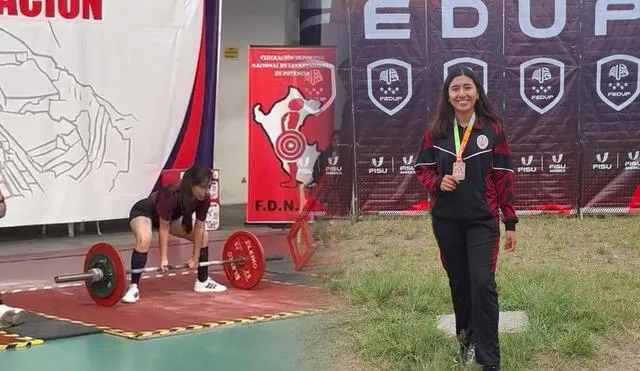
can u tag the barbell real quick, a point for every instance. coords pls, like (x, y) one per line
(104, 275)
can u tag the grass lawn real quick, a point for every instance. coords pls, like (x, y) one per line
(578, 281)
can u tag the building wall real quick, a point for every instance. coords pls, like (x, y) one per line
(244, 23)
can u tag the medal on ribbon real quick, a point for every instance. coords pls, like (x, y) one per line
(459, 165)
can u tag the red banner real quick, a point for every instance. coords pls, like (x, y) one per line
(291, 114)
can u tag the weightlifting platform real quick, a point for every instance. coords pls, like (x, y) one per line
(168, 304)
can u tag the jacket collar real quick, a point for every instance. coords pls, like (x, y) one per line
(479, 124)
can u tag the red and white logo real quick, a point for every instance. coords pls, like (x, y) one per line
(283, 125)
(482, 141)
(318, 85)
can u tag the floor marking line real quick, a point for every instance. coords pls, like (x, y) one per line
(141, 335)
(22, 341)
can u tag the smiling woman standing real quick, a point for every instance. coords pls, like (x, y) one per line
(465, 163)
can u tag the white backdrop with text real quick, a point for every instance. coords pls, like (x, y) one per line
(91, 104)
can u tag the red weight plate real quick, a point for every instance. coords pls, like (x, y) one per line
(244, 275)
(119, 273)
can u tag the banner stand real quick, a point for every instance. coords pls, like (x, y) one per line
(290, 118)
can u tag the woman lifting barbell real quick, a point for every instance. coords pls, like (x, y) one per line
(169, 210)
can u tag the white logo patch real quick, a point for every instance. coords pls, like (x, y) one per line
(618, 80)
(389, 84)
(482, 141)
(542, 83)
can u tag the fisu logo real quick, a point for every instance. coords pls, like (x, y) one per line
(557, 159)
(407, 166)
(557, 166)
(377, 166)
(333, 168)
(633, 163)
(526, 165)
(304, 161)
(304, 165)
(602, 159)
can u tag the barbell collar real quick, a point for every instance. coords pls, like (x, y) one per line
(93, 275)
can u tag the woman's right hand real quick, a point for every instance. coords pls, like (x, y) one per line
(164, 262)
(448, 183)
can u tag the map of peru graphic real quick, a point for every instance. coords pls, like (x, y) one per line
(53, 126)
(301, 152)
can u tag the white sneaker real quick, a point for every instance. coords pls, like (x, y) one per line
(208, 286)
(132, 295)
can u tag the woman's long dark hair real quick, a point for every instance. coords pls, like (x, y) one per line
(445, 115)
(193, 176)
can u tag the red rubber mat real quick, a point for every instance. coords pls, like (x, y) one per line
(169, 305)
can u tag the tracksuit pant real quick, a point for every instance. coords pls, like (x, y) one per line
(469, 251)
